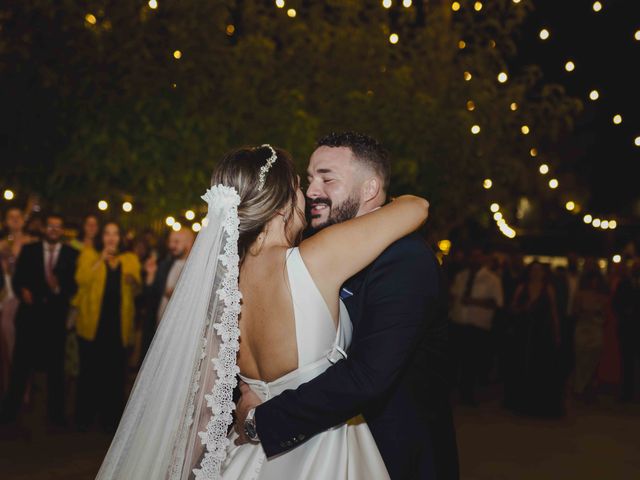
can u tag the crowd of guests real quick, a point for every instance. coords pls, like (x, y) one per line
(549, 335)
(81, 306)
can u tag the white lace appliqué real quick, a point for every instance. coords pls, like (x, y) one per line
(220, 400)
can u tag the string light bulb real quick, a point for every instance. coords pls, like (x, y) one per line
(170, 221)
(455, 6)
(513, 106)
(594, 95)
(597, 6)
(477, 6)
(604, 224)
(189, 215)
(544, 34)
(569, 66)
(386, 3)
(570, 206)
(176, 226)
(617, 259)
(587, 218)
(637, 35)
(153, 4)
(544, 169)
(637, 141)
(444, 246)
(292, 13)
(475, 129)
(103, 205)
(617, 119)
(553, 183)
(90, 18)
(406, 3)
(467, 76)
(525, 130)
(127, 206)
(8, 194)
(471, 106)
(502, 77)
(462, 44)
(487, 184)
(533, 152)
(280, 3)
(393, 38)
(196, 227)
(596, 222)
(177, 54)
(612, 224)
(494, 207)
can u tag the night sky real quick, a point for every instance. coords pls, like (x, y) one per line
(606, 56)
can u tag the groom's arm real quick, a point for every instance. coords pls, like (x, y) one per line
(402, 290)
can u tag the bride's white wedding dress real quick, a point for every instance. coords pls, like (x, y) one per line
(345, 452)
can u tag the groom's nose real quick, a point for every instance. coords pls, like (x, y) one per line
(313, 191)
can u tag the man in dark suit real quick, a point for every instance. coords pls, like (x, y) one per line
(397, 372)
(44, 282)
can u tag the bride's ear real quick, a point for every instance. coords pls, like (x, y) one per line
(284, 213)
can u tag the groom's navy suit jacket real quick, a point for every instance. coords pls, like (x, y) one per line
(397, 373)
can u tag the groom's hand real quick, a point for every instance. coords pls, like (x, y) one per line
(248, 400)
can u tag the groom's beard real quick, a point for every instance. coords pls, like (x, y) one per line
(340, 213)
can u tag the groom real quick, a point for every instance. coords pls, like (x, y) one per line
(397, 370)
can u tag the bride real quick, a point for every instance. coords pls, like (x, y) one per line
(256, 302)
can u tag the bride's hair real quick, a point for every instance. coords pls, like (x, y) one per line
(241, 169)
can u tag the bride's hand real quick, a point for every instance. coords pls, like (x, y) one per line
(248, 400)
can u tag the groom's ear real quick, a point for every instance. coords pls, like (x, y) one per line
(371, 188)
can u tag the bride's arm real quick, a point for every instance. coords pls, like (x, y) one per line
(340, 251)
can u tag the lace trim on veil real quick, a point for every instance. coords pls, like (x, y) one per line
(220, 400)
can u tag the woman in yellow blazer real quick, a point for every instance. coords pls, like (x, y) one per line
(109, 281)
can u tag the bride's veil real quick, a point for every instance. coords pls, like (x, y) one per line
(176, 420)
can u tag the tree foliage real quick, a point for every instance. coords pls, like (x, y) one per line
(103, 109)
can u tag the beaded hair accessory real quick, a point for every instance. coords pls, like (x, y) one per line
(267, 166)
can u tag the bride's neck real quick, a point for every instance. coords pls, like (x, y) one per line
(274, 235)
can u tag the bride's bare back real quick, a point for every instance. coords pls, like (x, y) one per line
(268, 347)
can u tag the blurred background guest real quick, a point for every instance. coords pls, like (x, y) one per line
(590, 309)
(609, 372)
(512, 275)
(626, 304)
(161, 279)
(35, 226)
(10, 247)
(88, 237)
(536, 380)
(477, 295)
(109, 281)
(86, 240)
(44, 283)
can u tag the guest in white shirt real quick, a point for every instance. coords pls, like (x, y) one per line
(477, 295)
(161, 279)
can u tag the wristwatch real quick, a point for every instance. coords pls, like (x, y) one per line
(250, 426)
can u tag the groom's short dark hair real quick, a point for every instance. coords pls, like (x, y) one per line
(365, 149)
